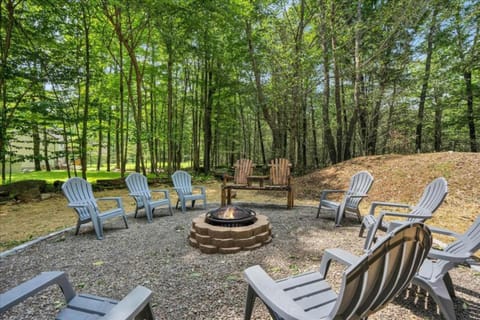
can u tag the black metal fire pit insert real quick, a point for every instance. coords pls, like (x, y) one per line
(231, 216)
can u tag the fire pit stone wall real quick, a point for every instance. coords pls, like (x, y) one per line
(219, 239)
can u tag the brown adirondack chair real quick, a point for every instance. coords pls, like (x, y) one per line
(243, 169)
(280, 178)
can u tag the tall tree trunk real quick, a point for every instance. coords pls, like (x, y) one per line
(328, 138)
(46, 158)
(467, 76)
(129, 43)
(357, 94)
(100, 137)
(83, 139)
(438, 123)
(170, 133)
(426, 77)
(36, 147)
(261, 102)
(109, 139)
(337, 92)
(207, 120)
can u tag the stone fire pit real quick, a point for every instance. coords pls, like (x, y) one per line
(229, 237)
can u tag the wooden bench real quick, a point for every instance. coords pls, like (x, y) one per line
(278, 180)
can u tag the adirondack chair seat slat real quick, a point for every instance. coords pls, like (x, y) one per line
(81, 306)
(138, 188)
(80, 197)
(182, 183)
(358, 188)
(369, 281)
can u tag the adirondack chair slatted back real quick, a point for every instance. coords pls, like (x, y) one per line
(243, 169)
(280, 172)
(382, 272)
(432, 197)
(360, 183)
(469, 242)
(138, 184)
(78, 190)
(182, 180)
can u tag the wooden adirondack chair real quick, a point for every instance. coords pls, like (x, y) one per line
(182, 182)
(137, 185)
(243, 169)
(360, 184)
(369, 281)
(136, 305)
(280, 179)
(433, 275)
(431, 199)
(80, 197)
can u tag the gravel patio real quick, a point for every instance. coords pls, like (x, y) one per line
(188, 284)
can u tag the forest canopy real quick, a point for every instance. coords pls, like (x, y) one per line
(160, 84)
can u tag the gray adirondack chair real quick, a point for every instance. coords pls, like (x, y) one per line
(137, 185)
(182, 183)
(369, 281)
(433, 275)
(80, 197)
(431, 199)
(136, 305)
(360, 184)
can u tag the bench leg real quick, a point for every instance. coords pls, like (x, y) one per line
(223, 200)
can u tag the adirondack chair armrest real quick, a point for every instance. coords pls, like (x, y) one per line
(337, 255)
(131, 305)
(445, 232)
(201, 188)
(117, 199)
(31, 287)
(404, 215)
(325, 193)
(376, 204)
(164, 191)
(450, 256)
(269, 292)
(227, 177)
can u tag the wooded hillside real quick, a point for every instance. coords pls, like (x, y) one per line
(158, 84)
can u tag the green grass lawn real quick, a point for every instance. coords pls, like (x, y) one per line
(61, 175)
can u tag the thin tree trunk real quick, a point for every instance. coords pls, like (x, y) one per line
(329, 140)
(45, 150)
(426, 77)
(83, 139)
(467, 76)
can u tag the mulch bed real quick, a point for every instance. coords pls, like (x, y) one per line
(188, 284)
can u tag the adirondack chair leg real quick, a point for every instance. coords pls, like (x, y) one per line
(146, 313)
(193, 203)
(319, 209)
(97, 225)
(125, 220)
(176, 206)
(251, 296)
(78, 227)
(449, 284)
(439, 292)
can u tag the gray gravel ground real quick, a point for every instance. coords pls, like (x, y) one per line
(190, 285)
